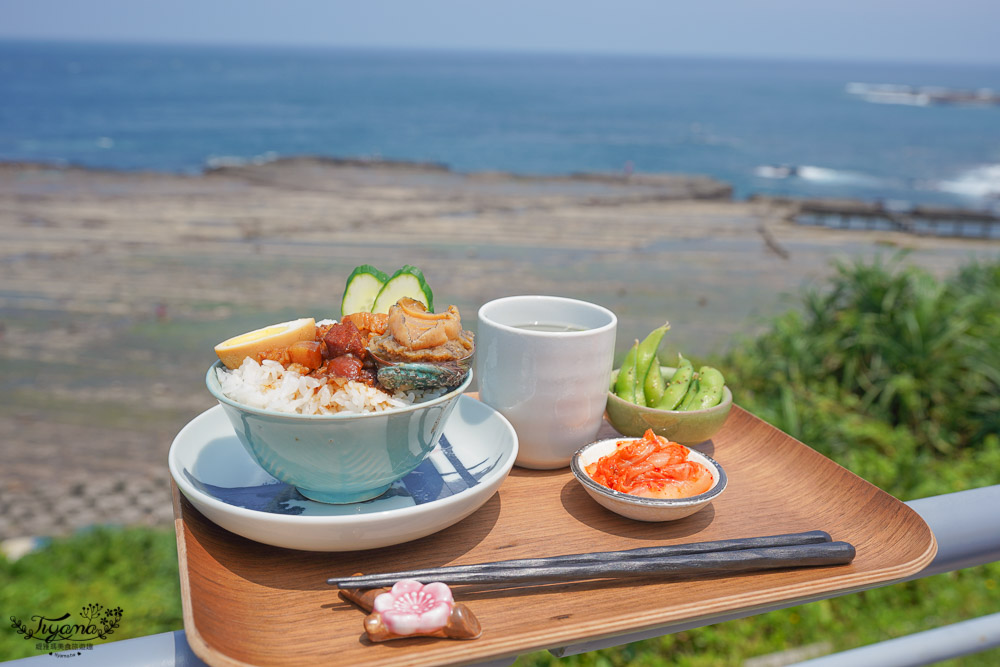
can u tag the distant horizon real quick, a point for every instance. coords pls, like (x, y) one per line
(510, 51)
(960, 32)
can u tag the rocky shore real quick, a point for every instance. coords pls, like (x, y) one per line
(115, 287)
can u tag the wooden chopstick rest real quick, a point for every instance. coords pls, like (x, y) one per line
(461, 624)
(363, 597)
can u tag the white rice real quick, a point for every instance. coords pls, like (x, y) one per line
(268, 385)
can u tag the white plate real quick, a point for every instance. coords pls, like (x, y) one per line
(213, 471)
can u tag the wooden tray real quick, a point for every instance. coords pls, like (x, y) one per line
(248, 603)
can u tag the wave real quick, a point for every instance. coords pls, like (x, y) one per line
(980, 182)
(819, 175)
(219, 161)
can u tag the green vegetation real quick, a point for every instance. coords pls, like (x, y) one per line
(134, 569)
(889, 371)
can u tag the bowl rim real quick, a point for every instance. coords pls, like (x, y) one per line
(663, 503)
(215, 388)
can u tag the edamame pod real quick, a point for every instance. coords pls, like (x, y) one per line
(640, 390)
(625, 384)
(710, 384)
(691, 394)
(654, 384)
(647, 350)
(678, 385)
(644, 357)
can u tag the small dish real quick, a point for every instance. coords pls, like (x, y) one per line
(636, 507)
(687, 427)
(215, 473)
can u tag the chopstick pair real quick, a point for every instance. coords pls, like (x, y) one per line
(811, 548)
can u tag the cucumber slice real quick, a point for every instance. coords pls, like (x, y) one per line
(408, 281)
(363, 285)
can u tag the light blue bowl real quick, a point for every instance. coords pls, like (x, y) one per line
(339, 458)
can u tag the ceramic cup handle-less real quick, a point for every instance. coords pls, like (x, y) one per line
(544, 362)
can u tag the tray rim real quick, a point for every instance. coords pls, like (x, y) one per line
(201, 648)
(638, 622)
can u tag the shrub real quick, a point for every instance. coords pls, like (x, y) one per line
(884, 371)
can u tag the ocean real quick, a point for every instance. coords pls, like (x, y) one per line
(779, 127)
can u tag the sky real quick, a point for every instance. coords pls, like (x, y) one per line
(944, 31)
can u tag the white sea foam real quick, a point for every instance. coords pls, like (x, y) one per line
(773, 171)
(824, 175)
(818, 175)
(979, 182)
(219, 161)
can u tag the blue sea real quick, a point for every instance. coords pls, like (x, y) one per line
(766, 127)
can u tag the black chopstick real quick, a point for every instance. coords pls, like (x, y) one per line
(790, 539)
(714, 562)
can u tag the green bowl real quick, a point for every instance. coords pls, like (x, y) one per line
(688, 427)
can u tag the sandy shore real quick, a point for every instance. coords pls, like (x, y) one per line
(115, 286)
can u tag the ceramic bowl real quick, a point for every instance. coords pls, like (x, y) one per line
(638, 508)
(342, 458)
(687, 427)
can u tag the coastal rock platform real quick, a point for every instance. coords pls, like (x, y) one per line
(117, 285)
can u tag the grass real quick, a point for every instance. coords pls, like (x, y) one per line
(135, 569)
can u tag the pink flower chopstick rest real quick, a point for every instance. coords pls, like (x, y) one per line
(411, 609)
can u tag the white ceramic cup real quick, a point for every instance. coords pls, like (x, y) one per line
(551, 385)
